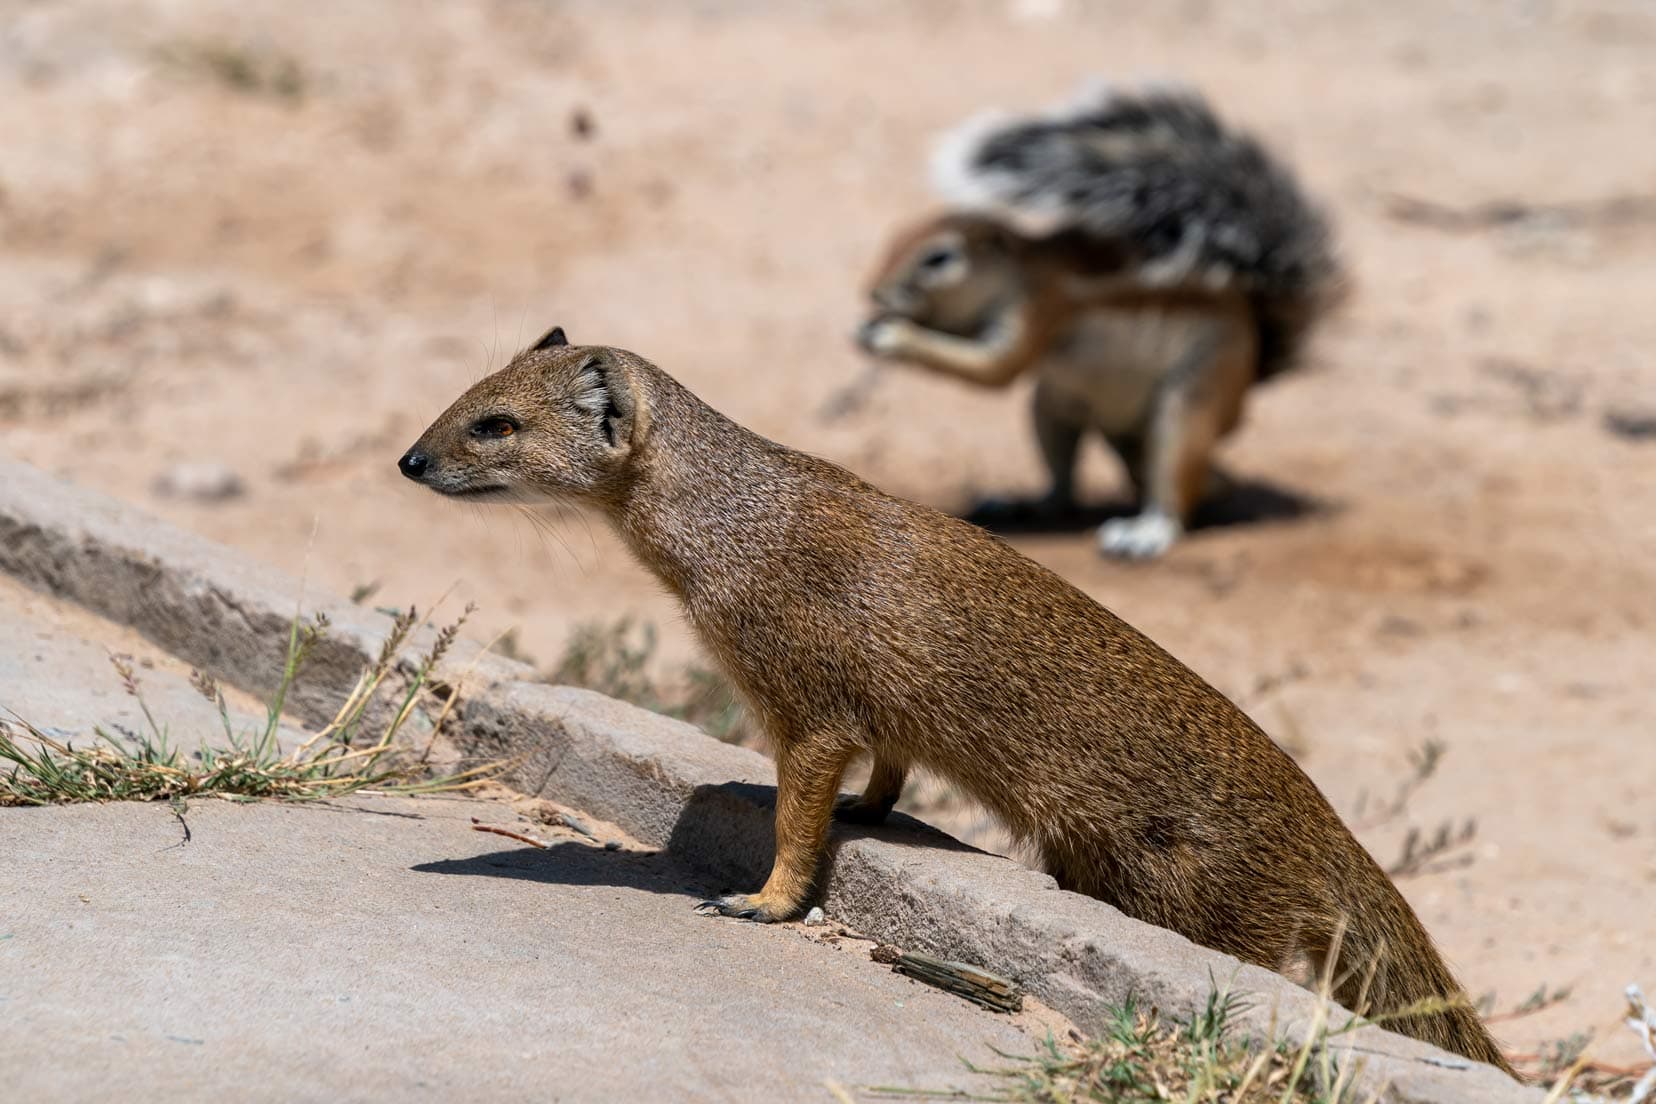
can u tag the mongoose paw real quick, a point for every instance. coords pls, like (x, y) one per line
(1139, 538)
(883, 336)
(851, 809)
(742, 906)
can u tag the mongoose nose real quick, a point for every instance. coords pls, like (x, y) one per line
(413, 464)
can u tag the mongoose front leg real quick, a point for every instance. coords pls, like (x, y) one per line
(879, 797)
(807, 781)
(1006, 348)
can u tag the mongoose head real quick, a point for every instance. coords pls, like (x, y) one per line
(954, 273)
(560, 422)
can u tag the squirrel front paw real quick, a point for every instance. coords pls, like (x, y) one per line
(884, 335)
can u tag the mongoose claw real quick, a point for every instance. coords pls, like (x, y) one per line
(738, 905)
(1139, 538)
(717, 907)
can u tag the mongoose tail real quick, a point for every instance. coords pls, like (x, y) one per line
(857, 624)
(1408, 972)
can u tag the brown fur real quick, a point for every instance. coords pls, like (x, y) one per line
(857, 623)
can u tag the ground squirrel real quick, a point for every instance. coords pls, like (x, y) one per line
(856, 623)
(1149, 264)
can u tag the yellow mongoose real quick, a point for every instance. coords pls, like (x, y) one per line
(1146, 263)
(856, 623)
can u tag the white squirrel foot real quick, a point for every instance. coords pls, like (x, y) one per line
(1139, 538)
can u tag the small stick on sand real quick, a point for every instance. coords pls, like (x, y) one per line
(478, 826)
(996, 993)
(852, 397)
(576, 824)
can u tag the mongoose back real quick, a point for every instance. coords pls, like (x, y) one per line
(1146, 263)
(855, 623)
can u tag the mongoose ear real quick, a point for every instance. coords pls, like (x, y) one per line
(603, 388)
(551, 339)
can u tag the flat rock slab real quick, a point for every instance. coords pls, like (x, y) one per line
(55, 673)
(378, 948)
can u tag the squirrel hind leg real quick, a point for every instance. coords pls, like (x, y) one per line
(1171, 464)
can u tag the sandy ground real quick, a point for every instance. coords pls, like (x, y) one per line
(278, 239)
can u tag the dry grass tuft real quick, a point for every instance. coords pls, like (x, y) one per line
(1572, 1073)
(243, 68)
(1145, 1059)
(618, 659)
(339, 758)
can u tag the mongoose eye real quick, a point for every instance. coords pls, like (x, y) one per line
(494, 427)
(937, 258)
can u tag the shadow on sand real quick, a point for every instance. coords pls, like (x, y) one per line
(1244, 502)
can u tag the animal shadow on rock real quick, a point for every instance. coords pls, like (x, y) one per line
(724, 833)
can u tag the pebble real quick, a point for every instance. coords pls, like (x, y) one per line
(1631, 425)
(201, 480)
(815, 917)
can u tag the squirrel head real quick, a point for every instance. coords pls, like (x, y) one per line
(559, 422)
(950, 273)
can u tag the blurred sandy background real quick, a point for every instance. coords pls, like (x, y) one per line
(254, 247)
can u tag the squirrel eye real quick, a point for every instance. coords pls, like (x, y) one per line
(937, 258)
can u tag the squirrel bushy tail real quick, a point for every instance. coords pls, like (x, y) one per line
(1193, 201)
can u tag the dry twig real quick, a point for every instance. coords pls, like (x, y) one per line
(479, 826)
